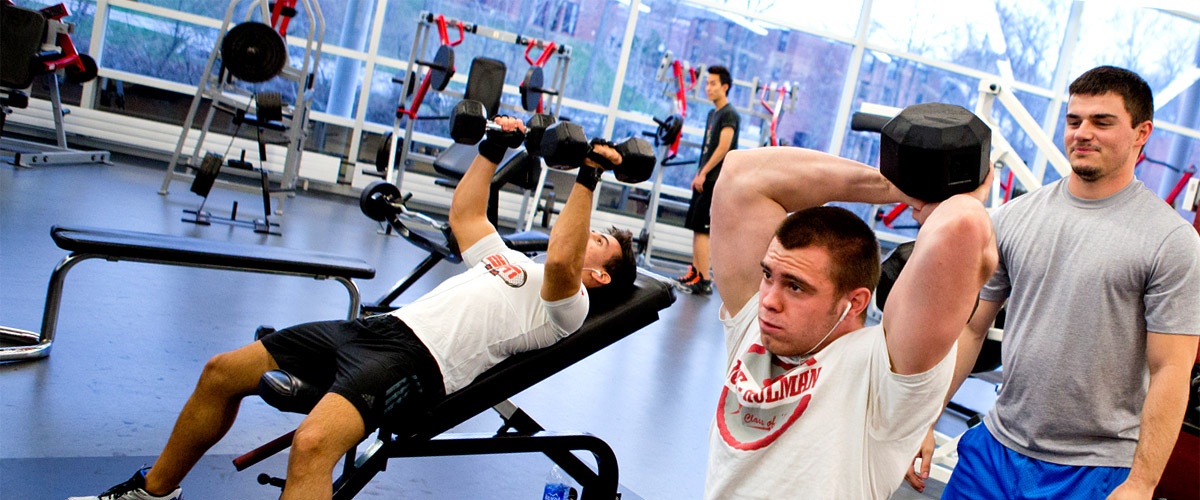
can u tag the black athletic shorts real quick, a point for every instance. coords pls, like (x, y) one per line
(698, 210)
(377, 363)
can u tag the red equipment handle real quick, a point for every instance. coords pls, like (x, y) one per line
(444, 36)
(546, 53)
(681, 98)
(891, 216)
(1179, 187)
(278, 20)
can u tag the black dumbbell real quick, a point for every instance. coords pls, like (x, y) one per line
(469, 122)
(933, 151)
(565, 146)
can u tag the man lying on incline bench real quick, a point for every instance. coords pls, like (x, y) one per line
(381, 366)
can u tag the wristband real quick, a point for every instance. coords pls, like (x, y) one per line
(492, 150)
(588, 177)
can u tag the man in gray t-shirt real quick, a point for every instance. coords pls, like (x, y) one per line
(1102, 281)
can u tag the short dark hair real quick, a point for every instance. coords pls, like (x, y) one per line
(622, 268)
(722, 74)
(852, 247)
(1134, 91)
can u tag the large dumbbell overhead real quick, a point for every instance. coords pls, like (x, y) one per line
(565, 146)
(934, 151)
(469, 122)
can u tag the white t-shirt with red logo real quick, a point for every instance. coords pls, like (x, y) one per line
(839, 425)
(491, 311)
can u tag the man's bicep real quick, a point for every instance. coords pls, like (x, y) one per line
(743, 223)
(1170, 350)
(468, 232)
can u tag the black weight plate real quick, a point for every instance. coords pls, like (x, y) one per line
(381, 154)
(443, 69)
(74, 75)
(269, 106)
(206, 175)
(378, 208)
(531, 94)
(253, 52)
(668, 131)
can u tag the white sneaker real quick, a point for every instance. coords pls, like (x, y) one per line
(133, 489)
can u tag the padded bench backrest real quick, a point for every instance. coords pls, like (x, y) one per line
(608, 321)
(21, 33)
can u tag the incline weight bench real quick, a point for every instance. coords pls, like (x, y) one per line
(608, 321)
(116, 245)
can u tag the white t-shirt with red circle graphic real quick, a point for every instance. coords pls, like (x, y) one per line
(491, 311)
(839, 425)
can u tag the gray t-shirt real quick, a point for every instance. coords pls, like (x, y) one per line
(1085, 280)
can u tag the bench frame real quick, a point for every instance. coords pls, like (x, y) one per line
(34, 345)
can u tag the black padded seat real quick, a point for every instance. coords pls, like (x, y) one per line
(183, 250)
(527, 241)
(609, 319)
(21, 34)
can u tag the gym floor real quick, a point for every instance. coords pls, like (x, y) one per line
(132, 339)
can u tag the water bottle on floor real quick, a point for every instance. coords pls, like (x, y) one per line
(558, 487)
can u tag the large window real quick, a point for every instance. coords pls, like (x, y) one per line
(915, 51)
(1161, 47)
(753, 50)
(1012, 39)
(594, 30)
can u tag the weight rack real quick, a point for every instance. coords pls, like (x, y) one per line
(428, 21)
(672, 71)
(220, 90)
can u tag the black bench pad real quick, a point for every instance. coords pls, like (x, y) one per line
(609, 320)
(185, 250)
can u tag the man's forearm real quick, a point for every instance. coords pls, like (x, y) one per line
(798, 178)
(1162, 415)
(569, 236)
(473, 190)
(717, 156)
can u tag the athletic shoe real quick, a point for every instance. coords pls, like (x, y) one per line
(698, 286)
(133, 489)
(690, 277)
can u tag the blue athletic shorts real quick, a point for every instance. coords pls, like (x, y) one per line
(988, 470)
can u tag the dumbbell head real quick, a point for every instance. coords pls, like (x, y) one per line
(468, 121)
(934, 151)
(535, 128)
(564, 145)
(637, 161)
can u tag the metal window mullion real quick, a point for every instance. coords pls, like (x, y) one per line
(1058, 86)
(851, 81)
(96, 50)
(623, 65)
(364, 96)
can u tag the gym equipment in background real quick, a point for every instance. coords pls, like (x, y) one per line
(37, 43)
(681, 80)
(485, 83)
(252, 52)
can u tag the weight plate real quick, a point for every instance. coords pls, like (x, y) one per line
(206, 175)
(381, 154)
(269, 106)
(443, 69)
(378, 207)
(75, 75)
(253, 52)
(531, 94)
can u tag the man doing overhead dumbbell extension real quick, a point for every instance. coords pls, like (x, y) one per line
(815, 403)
